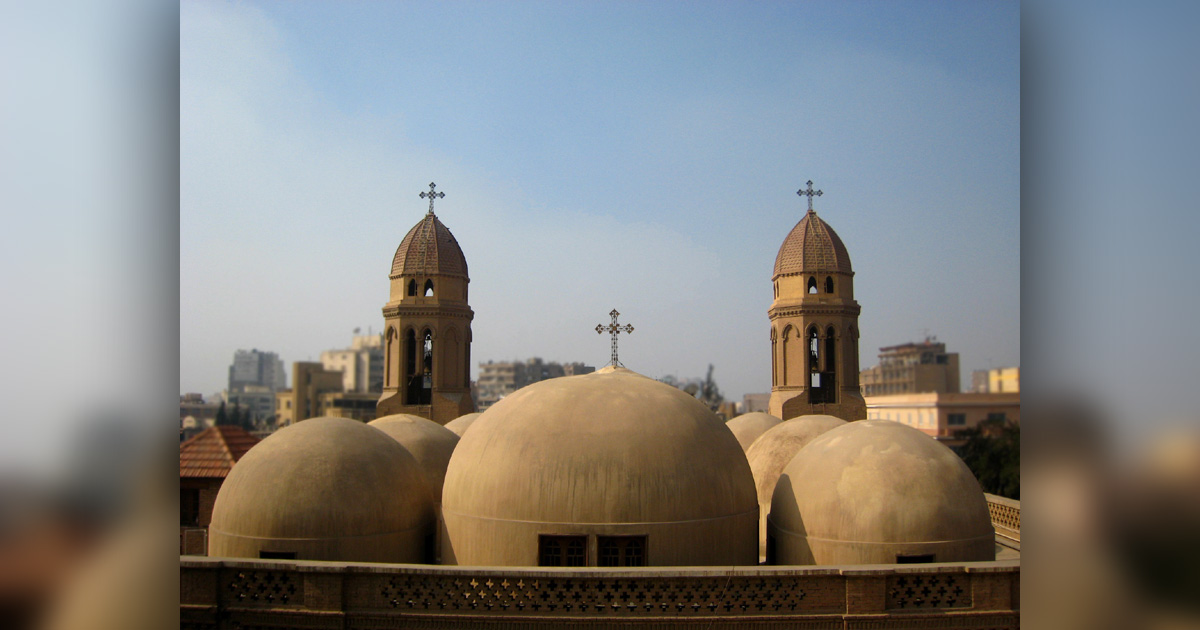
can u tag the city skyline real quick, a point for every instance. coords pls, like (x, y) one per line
(630, 156)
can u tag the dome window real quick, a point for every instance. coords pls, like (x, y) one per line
(429, 288)
(412, 287)
(812, 284)
(562, 551)
(829, 284)
(621, 551)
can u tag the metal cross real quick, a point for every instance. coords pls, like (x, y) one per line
(810, 193)
(432, 195)
(614, 329)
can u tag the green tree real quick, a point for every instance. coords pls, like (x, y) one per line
(993, 453)
(222, 415)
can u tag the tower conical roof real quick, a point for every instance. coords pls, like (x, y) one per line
(812, 246)
(429, 249)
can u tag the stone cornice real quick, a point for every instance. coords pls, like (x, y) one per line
(398, 310)
(851, 310)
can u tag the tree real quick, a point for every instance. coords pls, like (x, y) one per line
(709, 393)
(222, 415)
(993, 453)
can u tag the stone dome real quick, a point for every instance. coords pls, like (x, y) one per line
(460, 424)
(772, 451)
(877, 491)
(427, 441)
(607, 454)
(324, 489)
(429, 249)
(812, 246)
(748, 426)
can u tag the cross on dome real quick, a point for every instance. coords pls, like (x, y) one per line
(614, 329)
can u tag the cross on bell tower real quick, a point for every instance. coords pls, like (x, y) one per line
(810, 193)
(438, 195)
(614, 329)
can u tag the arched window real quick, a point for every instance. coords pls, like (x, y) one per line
(829, 284)
(387, 354)
(812, 284)
(412, 389)
(428, 288)
(814, 347)
(412, 287)
(830, 349)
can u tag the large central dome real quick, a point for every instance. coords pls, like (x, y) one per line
(429, 249)
(612, 453)
(812, 246)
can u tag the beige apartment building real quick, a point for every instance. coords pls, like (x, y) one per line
(361, 364)
(303, 400)
(912, 368)
(943, 415)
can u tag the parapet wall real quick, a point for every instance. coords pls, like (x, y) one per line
(224, 593)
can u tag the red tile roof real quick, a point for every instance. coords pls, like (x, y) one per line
(213, 452)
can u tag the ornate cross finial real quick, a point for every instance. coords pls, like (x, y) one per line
(438, 195)
(810, 193)
(614, 329)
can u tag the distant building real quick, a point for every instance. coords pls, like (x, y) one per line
(943, 416)
(361, 364)
(303, 400)
(997, 381)
(499, 379)
(912, 368)
(254, 367)
(258, 400)
(353, 405)
(755, 403)
(195, 414)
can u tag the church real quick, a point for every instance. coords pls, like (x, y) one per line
(607, 498)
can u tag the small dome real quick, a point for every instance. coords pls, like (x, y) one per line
(812, 246)
(748, 426)
(429, 249)
(324, 489)
(460, 424)
(772, 451)
(611, 453)
(429, 442)
(878, 492)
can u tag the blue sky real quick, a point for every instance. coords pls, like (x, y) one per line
(642, 156)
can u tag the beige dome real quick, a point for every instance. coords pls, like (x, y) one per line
(460, 424)
(429, 442)
(876, 491)
(429, 249)
(611, 453)
(748, 426)
(812, 246)
(772, 451)
(324, 489)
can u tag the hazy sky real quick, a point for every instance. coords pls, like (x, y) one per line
(641, 156)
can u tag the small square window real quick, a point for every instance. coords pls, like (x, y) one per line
(277, 555)
(956, 419)
(562, 551)
(621, 551)
(916, 558)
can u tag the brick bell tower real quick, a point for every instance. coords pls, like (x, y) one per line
(814, 324)
(427, 325)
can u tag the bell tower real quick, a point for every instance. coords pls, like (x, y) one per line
(427, 325)
(814, 324)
